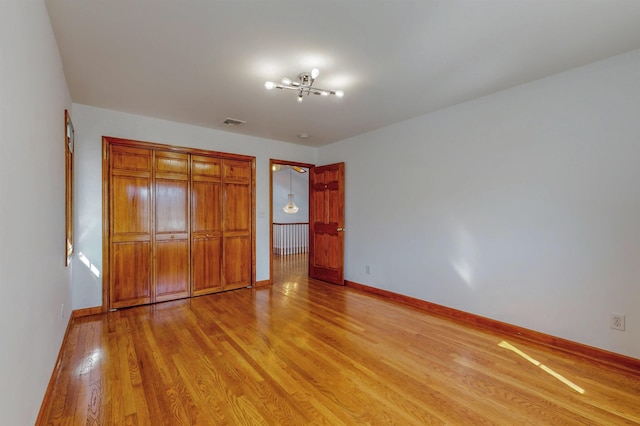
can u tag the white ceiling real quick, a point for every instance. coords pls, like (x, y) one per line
(201, 61)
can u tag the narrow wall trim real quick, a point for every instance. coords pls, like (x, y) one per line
(263, 283)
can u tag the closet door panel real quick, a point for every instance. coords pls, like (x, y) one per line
(172, 269)
(130, 159)
(131, 203)
(237, 208)
(206, 265)
(171, 163)
(206, 168)
(172, 209)
(130, 274)
(205, 207)
(237, 262)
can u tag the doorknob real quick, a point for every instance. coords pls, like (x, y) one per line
(341, 229)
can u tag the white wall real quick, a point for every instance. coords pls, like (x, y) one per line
(33, 278)
(523, 206)
(300, 185)
(93, 123)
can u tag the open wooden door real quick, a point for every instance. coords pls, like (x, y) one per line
(326, 223)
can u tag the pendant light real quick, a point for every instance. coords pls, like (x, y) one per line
(291, 207)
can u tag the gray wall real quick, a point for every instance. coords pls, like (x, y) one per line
(523, 206)
(35, 296)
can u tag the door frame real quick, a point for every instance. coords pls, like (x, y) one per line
(273, 162)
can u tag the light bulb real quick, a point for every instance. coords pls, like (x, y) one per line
(286, 81)
(315, 73)
(299, 98)
(339, 93)
(269, 85)
(324, 93)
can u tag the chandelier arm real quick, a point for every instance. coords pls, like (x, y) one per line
(306, 89)
(282, 86)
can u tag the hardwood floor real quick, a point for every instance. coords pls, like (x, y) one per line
(306, 352)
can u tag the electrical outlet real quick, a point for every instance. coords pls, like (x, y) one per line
(62, 311)
(367, 269)
(617, 322)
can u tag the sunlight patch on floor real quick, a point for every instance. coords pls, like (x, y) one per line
(548, 370)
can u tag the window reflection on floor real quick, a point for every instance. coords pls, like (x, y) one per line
(548, 370)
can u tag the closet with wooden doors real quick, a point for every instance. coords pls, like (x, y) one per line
(178, 222)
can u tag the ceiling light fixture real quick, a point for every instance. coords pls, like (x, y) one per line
(304, 85)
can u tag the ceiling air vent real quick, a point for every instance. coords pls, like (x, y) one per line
(232, 122)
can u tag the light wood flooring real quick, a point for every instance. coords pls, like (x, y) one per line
(306, 352)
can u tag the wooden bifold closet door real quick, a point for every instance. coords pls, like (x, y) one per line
(130, 225)
(180, 222)
(171, 261)
(206, 224)
(236, 219)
